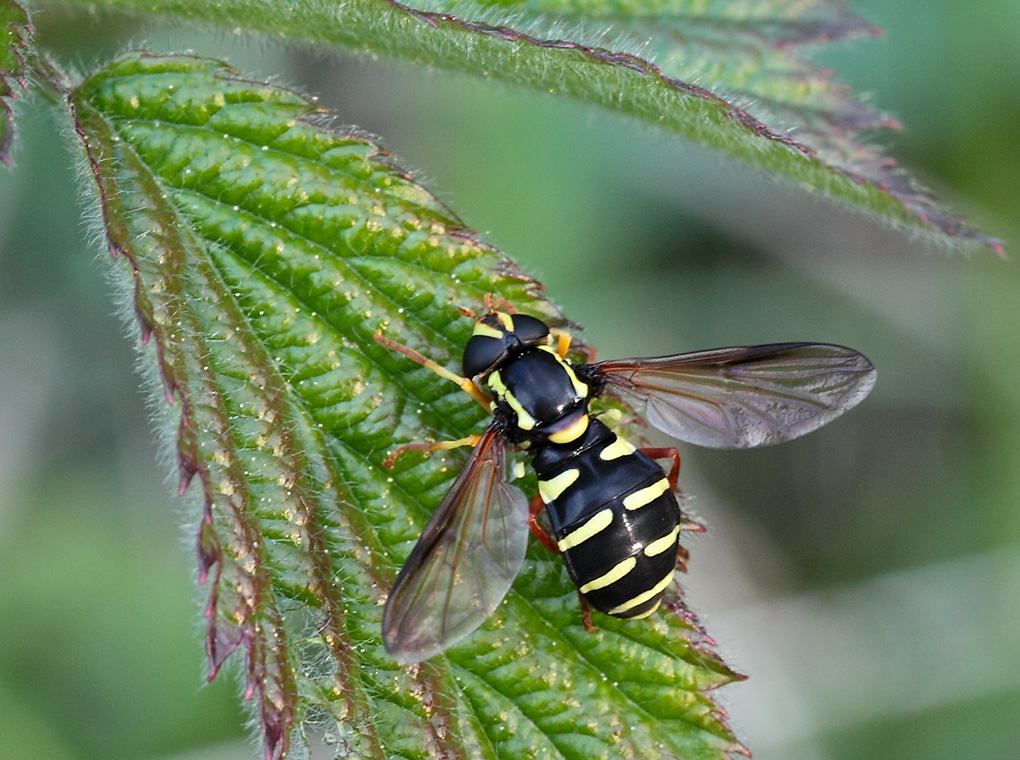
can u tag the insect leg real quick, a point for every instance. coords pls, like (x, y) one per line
(391, 460)
(465, 384)
(586, 614)
(537, 505)
(666, 453)
(683, 556)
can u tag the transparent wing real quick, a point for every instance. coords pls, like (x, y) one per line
(742, 397)
(465, 561)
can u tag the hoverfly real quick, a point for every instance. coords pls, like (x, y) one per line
(613, 511)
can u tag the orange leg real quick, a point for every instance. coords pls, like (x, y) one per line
(537, 505)
(666, 453)
(682, 557)
(586, 614)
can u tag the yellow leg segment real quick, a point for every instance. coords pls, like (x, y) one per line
(465, 384)
(391, 460)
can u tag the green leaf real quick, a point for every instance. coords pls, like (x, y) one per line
(723, 73)
(262, 251)
(15, 33)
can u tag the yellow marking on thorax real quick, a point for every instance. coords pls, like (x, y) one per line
(551, 489)
(581, 389)
(646, 495)
(506, 320)
(640, 599)
(572, 433)
(524, 419)
(618, 572)
(595, 524)
(660, 545)
(615, 450)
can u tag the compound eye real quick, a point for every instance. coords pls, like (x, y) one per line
(529, 330)
(481, 354)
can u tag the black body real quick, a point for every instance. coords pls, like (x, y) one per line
(613, 514)
(620, 558)
(604, 485)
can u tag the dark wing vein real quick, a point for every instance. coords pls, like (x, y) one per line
(742, 397)
(465, 561)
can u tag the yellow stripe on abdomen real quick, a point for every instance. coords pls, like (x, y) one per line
(646, 495)
(618, 572)
(660, 545)
(595, 524)
(552, 488)
(615, 450)
(643, 597)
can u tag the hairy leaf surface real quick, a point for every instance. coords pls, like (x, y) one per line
(15, 32)
(723, 73)
(262, 250)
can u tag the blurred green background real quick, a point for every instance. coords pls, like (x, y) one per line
(867, 578)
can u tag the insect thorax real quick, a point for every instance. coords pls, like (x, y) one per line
(540, 397)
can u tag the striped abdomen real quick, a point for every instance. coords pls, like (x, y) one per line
(614, 517)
